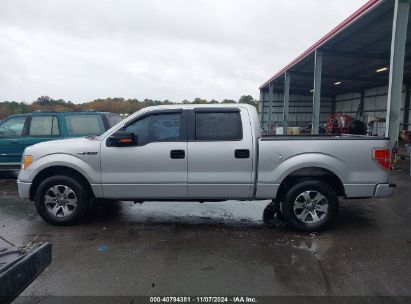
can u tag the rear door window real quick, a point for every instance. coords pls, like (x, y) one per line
(44, 126)
(82, 125)
(217, 126)
(12, 127)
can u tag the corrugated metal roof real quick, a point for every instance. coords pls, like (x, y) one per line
(343, 25)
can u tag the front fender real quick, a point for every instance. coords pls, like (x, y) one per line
(90, 169)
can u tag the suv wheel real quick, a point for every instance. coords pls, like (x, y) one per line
(310, 205)
(61, 200)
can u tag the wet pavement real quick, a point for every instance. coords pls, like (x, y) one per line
(172, 248)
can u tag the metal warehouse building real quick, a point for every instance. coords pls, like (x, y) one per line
(361, 68)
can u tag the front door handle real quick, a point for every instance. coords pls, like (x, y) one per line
(177, 154)
(242, 153)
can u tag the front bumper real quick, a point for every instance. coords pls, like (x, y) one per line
(10, 166)
(384, 190)
(24, 189)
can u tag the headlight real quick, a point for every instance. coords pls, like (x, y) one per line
(26, 161)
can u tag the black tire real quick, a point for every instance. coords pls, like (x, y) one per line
(272, 216)
(310, 218)
(81, 194)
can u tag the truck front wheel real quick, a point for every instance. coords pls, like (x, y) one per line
(310, 205)
(61, 200)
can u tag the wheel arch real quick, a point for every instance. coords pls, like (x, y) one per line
(58, 170)
(311, 173)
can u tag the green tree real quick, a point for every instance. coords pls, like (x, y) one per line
(248, 99)
(44, 100)
(116, 104)
(200, 101)
(12, 107)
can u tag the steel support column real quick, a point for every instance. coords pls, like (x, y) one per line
(286, 106)
(360, 112)
(406, 120)
(333, 104)
(362, 101)
(261, 107)
(399, 36)
(317, 92)
(270, 105)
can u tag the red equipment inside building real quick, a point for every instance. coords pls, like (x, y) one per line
(338, 124)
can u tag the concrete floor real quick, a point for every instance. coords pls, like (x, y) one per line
(162, 248)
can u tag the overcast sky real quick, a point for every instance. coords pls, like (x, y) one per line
(80, 50)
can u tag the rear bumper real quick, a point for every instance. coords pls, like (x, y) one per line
(384, 190)
(24, 189)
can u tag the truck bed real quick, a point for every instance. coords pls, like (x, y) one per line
(347, 157)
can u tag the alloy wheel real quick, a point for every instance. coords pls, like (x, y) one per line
(311, 207)
(60, 201)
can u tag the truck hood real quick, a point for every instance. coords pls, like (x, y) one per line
(73, 146)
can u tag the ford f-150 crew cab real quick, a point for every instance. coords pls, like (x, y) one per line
(204, 153)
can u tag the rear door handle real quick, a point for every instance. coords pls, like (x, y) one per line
(177, 154)
(242, 153)
(14, 141)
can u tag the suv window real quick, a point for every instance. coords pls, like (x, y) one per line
(157, 128)
(44, 126)
(81, 125)
(113, 119)
(12, 127)
(218, 126)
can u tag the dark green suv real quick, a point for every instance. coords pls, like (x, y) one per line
(22, 130)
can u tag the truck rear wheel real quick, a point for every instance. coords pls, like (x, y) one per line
(61, 200)
(310, 205)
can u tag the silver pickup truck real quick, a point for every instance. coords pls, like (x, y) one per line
(204, 153)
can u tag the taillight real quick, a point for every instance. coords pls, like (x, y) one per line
(382, 157)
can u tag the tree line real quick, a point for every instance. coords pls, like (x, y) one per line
(116, 105)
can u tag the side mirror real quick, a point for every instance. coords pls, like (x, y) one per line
(122, 139)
